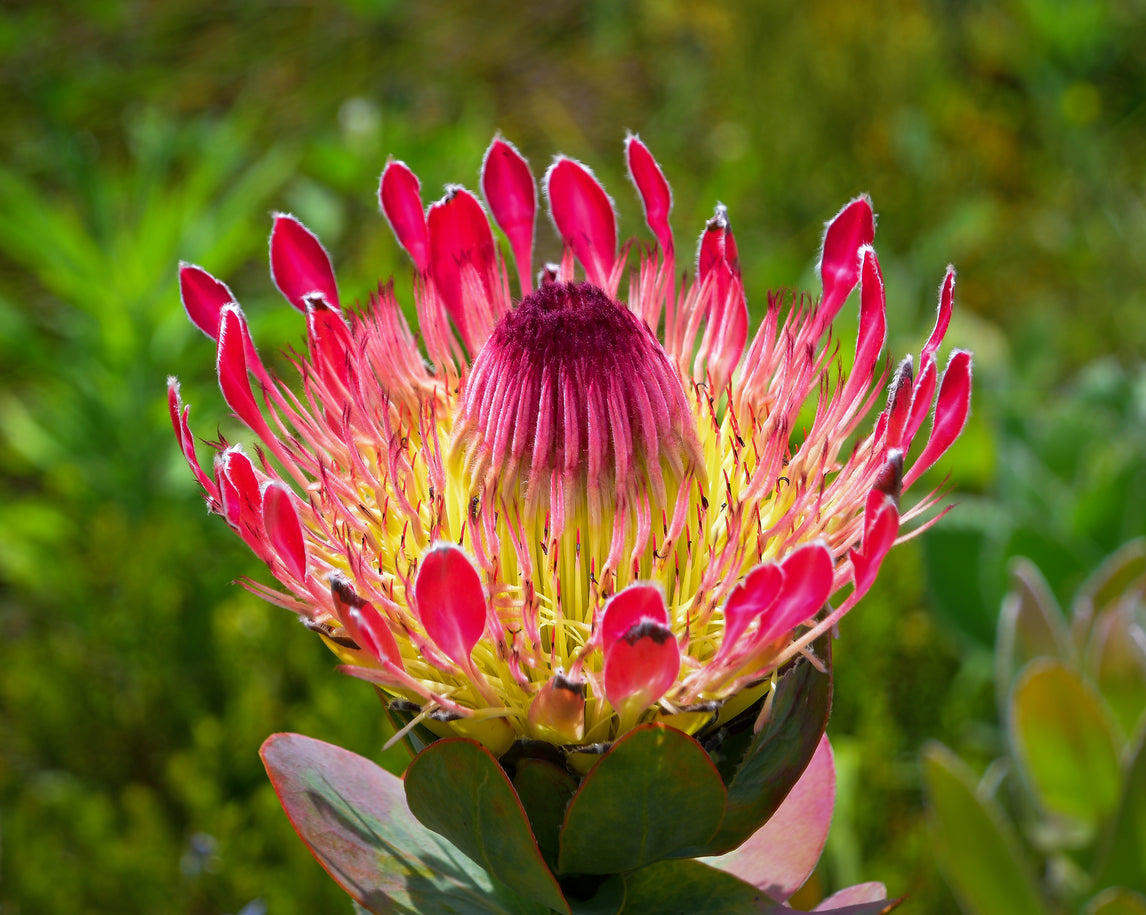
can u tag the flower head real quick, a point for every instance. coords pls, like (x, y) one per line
(563, 513)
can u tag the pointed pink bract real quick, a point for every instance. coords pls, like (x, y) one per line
(459, 235)
(850, 229)
(584, 217)
(752, 597)
(203, 298)
(364, 623)
(284, 528)
(642, 657)
(880, 528)
(451, 602)
(300, 265)
(508, 187)
(656, 196)
(951, 411)
(807, 586)
(400, 194)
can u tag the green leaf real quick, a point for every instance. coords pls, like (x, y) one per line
(975, 846)
(1116, 901)
(777, 756)
(1122, 572)
(544, 789)
(353, 817)
(687, 887)
(456, 788)
(1116, 662)
(1122, 854)
(1031, 625)
(653, 795)
(1064, 742)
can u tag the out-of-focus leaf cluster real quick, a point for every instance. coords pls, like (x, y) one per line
(1070, 794)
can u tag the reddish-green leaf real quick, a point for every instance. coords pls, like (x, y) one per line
(353, 817)
(456, 788)
(1064, 742)
(777, 756)
(974, 845)
(1030, 626)
(780, 855)
(653, 795)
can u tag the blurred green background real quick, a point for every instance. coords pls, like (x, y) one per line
(136, 682)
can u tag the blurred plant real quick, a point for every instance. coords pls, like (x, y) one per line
(1070, 487)
(1072, 692)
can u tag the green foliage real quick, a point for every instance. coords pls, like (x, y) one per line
(1075, 776)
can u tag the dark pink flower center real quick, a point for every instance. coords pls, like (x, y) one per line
(572, 390)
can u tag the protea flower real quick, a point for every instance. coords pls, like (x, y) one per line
(588, 529)
(549, 521)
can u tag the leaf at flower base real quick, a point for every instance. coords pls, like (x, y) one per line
(456, 788)
(1064, 742)
(1116, 901)
(685, 887)
(1122, 850)
(776, 757)
(781, 854)
(975, 846)
(544, 789)
(353, 817)
(653, 795)
(861, 898)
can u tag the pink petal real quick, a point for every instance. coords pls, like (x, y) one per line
(943, 316)
(241, 498)
(880, 528)
(854, 895)
(283, 528)
(642, 658)
(656, 196)
(951, 412)
(451, 603)
(364, 623)
(899, 405)
(807, 585)
(629, 607)
(780, 856)
(748, 600)
(179, 414)
(922, 393)
(584, 217)
(459, 234)
(400, 194)
(508, 187)
(851, 229)
(873, 316)
(231, 365)
(300, 265)
(328, 340)
(203, 298)
(717, 246)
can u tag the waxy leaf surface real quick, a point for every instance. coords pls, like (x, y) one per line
(776, 757)
(653, 795)
(353, 817)
(456, 788)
